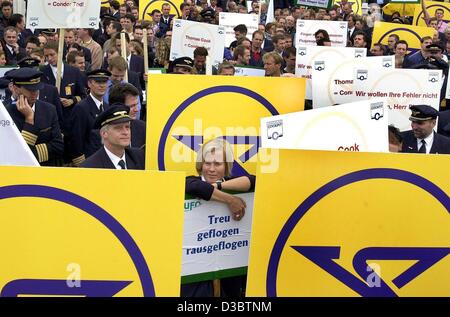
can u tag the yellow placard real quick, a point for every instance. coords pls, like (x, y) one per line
(356, 6)
(185, 111)
(431, 8)
(408, 33)
(105, 3)
(147, 6)
(351, 224)
(83, 232)
(405, 9)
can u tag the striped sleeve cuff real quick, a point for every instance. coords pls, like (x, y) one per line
(78, 160)
(29, 137)
(42, 152)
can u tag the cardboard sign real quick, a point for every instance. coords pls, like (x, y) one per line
(337, 30)
(357, 127)
(332, 224)
(188, 35)
(333, 84)
(86, 232)
(214, 243)
(63, 14)
(402, 88)
(249, 71)
(13, 148)
(231, 20)
(409, 33)
(183, 116)
(307, 56)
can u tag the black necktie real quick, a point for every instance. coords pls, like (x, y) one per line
(122, 164)
(101, 108)
(423, 147)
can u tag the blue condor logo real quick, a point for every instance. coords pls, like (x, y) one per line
(324, 256)
(194, 141)
(87, 287)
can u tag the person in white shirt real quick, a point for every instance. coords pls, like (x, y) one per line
(422, 138)
(115, 132)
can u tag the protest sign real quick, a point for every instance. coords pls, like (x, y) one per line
(214, 244)
(402, 88)
(337, 30)
(334, 83)
(335, 224)
(13, 148)
(358, 127)
(231, 20)
(63, 14)
(307, 55)
(188, 35)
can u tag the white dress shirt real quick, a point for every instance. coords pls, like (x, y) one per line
(429, 142)
(97, 102)
(54, 70)
(115, 159)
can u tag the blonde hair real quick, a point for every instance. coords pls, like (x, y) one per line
(211, 147)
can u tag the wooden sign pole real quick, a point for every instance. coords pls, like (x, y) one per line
(60, 64)
(123, 45)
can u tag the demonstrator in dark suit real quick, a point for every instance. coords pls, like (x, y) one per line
(36, 120)
(84, 140)
(422, 138)
(114, 125)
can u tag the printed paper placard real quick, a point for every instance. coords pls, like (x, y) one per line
(13, 148)
(402, 88)
(334, 83)
(231, 20)
(306, 29)
(188, 35)
(307, 55)
(63, 14)
(343, 224)
(213, 241)
(357, 127)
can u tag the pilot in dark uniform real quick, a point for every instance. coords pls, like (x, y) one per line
(128, 95)
(84, 140)
(114, 125)
(72, 84)
(37, 120)
(422, 138)
(47, 93)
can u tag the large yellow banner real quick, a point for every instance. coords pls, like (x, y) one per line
(351, 224)
(184, 111)
(105, 3)
(147, 6)
(431, 6)
(409, 33)
(83, 232)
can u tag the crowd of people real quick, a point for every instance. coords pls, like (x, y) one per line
(97, 117)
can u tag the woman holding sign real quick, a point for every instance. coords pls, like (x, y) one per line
(214, 163)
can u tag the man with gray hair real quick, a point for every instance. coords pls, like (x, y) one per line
(115, 132)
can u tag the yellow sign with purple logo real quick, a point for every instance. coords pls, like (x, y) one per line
(105, 3)
(146, 8)
(434, 8)
(95, 233)
(409, 33)
(351, 224)
(187, 110)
